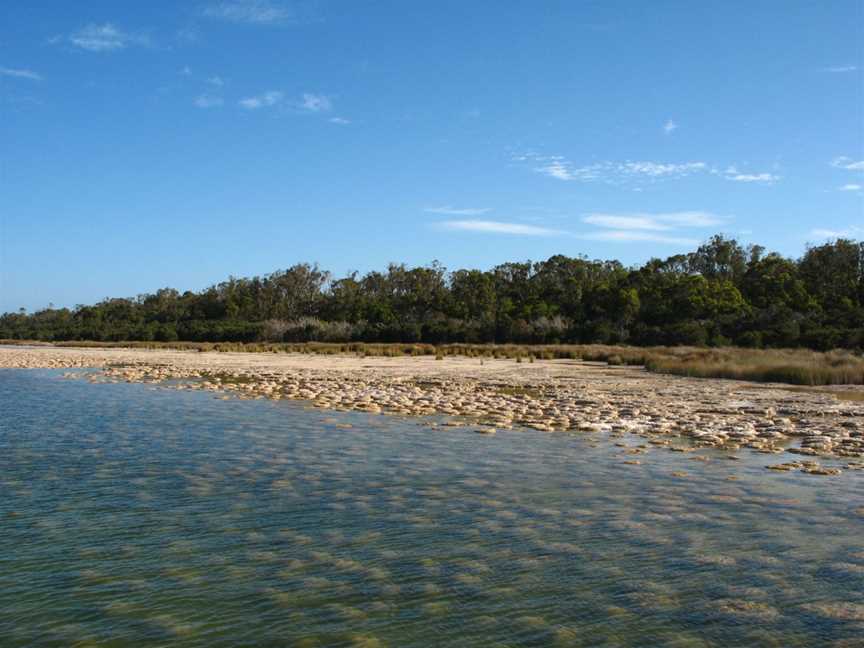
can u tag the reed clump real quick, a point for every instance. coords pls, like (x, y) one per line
(792, 366)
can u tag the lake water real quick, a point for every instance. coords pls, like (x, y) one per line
(150, 517)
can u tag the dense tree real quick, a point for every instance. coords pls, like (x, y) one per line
(719, 258)
(721, 293)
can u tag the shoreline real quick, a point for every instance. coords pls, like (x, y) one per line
(560, 396)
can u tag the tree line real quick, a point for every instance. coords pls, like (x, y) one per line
(721, 294)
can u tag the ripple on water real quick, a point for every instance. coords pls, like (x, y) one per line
(191, 521)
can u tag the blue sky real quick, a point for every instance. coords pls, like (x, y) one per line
(173, 144)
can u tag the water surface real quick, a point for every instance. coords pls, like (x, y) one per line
(133, 515)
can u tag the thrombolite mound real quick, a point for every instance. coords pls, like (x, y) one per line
(680, 414)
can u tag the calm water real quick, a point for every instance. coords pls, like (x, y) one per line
(140, 516)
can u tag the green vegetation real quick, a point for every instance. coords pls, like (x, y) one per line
(721, 294)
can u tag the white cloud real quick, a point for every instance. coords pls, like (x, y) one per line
(339, 120)
(655, 169)
(657, 228)
(105, 38)
(558, 167)
(628, 236)
(185, 71)
(841, 68)
(621, 228)
(265, 100)
(849, 164)
(850, 232)
(254, 12)
(625, 222)
(850, 187)
(656, 222)
(315, 103)
(21, 74)
(691, 219)
(630, 173)
(669, 127)
(767, 178)
(207, 101)
(309, 103)
(498, 227)
(216, 81)
(447, 210)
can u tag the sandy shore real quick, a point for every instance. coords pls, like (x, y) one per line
(550, 395)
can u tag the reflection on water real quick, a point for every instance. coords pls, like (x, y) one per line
(133, 515)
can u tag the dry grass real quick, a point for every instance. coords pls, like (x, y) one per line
(791, 366)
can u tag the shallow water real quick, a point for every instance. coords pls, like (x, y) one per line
(133, 515)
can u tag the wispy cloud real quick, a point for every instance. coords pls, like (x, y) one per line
(649, 227)
(631, 172)
(20, 73)
(499, 227)
(767, 178)
(849, 164)
(852, 231)
(339, 120)
(265, 100)
(636, 222)
(691, 219)
(104, 38)
(732, 173)
(315, 103)
(561, 170)
(558, 167)
(658, 222)
(447, 210)
(850, 187)
(253, 12)
(629, 236)
(669, 127)
(185, 71)
(656, 170)
(841, 68)
(622, 228)
(208, 101)
(216, 81)
(307, 103)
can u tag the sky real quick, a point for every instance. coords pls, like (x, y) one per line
(162, 143)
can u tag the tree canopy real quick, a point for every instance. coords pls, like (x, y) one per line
(722, 293)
